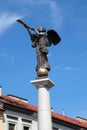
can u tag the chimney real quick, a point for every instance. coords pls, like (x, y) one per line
(63, 112)
(0, 90)
(18, 98)
(81, 119)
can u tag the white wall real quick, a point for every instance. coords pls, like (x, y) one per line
(19, 123)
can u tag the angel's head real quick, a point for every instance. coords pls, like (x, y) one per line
(42, 30)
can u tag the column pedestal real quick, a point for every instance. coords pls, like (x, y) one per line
(44, 110)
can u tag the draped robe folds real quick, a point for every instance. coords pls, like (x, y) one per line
(41, 42)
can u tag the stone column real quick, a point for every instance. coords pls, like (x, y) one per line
(43, 86)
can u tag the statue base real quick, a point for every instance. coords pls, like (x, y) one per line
(42, 72)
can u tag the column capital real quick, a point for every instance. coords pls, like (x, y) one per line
(42, 82)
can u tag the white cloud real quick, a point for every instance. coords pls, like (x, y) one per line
(57, 67)
(68, 68)
(6, 56)
(84, 53)
(3, 54)
(56, 15)
(6, 20)
(55, 12)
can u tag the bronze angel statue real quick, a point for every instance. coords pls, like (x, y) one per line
(41, 39)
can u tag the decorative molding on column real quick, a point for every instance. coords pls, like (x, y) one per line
(46, 82)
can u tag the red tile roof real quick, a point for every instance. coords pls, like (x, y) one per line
(17, 103)
(69, 120)
(27, 106)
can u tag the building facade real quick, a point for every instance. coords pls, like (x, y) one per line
(17, 114)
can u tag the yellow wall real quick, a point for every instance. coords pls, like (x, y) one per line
(1, 119)
(0, 124)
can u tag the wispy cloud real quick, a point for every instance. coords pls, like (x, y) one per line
(57, 67)
(6, 56)
(7, 20)
(74, 68)
(56, 15)
(53, 7)
(68, 68)
(84, 53)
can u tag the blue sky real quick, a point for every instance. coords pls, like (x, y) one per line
(68, 60)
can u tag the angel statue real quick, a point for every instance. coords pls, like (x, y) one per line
(41, 39)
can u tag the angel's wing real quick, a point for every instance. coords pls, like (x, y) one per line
(53, 36)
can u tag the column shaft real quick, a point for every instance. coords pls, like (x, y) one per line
(44, 111)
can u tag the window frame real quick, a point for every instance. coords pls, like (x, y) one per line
(26, 126)
(26, 123)
(11, 119)
(13, 123)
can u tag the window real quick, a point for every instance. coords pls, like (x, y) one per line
(11, 126)
(26, 124)
(26, 128)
